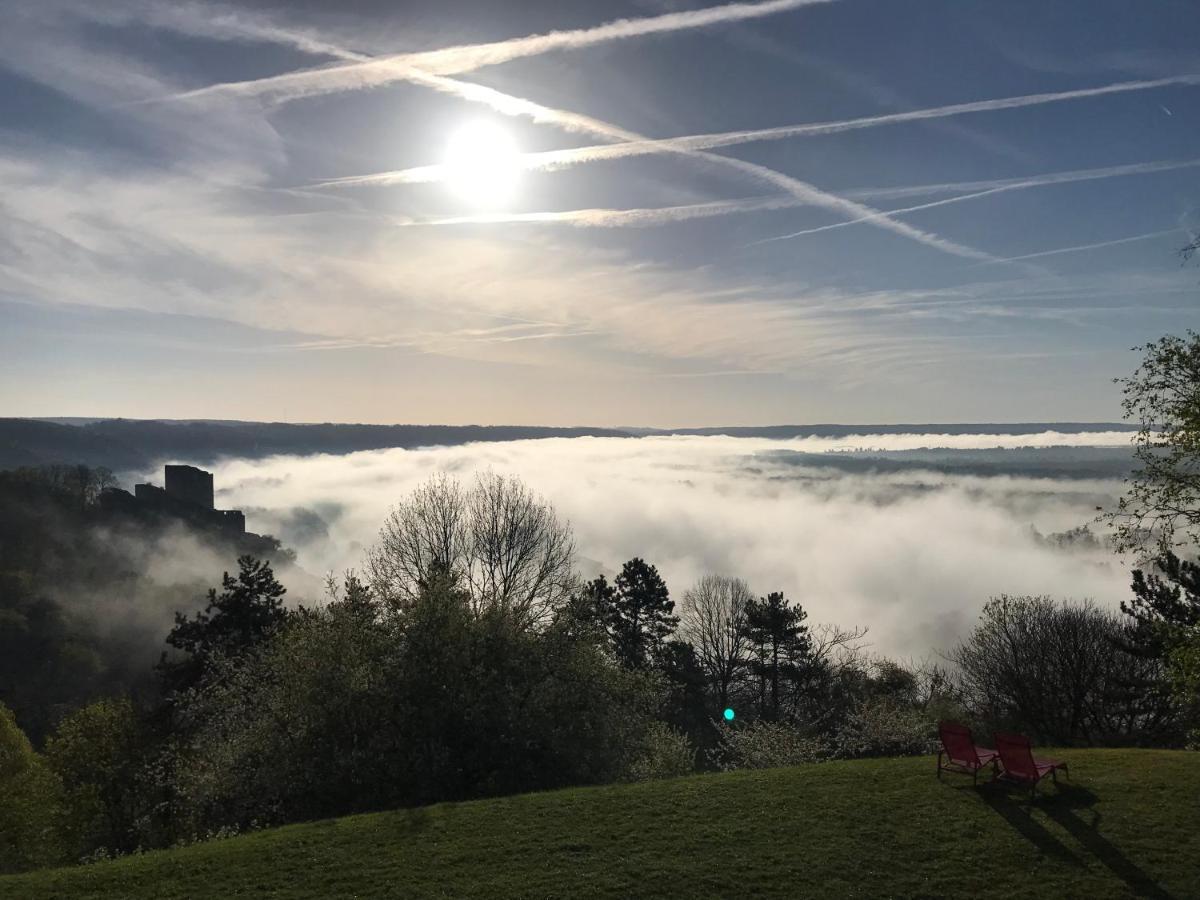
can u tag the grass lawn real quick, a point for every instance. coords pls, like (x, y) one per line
(1128, 827)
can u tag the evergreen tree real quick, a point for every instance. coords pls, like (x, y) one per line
(686, 706)
(637, 614)
(1165, 613)
(248, 608)
(781, 643)
(1164, 604)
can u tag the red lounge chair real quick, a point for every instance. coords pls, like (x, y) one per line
(1020, 765)
(961, 753)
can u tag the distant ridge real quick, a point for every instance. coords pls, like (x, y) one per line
(831, 430)
(138, 444)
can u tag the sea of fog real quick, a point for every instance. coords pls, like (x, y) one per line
(906, 534)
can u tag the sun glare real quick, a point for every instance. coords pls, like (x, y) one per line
(484, 166)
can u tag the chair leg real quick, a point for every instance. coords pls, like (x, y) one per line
(939, 764)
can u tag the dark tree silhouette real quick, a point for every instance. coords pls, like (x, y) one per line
(1164, 603)
(1057, 671)
(246, 611)
(637, 613)
(685, 706)
(781, 644)
(1165, 610)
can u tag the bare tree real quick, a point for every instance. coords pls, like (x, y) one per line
(521, 557)
(425, 531)
(714, 620)
(503, 543)
(1059, 671)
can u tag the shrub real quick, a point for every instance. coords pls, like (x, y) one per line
(96, 752)
(766, 745)
(665, 753)
(883, 726)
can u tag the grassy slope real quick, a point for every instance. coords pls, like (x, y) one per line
(881, 828)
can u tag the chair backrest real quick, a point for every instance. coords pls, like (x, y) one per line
(959, 744)
(1016, 755)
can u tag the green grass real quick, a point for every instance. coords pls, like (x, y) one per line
(1128, 827)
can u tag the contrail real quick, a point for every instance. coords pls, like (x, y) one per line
(998, 187)
(356, 74)
(1081, 247)
(561, 159)
(644, 217)
(799, 191)
(891, 212)
(947, 187)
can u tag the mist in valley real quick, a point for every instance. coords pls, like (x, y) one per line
(911, 551)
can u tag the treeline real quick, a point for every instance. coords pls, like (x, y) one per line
(466, 659)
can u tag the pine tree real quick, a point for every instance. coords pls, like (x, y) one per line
(248, 608)
(638, 616)
(1165, 603)
(781, 642)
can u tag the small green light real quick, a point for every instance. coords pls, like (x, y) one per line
(729, 714)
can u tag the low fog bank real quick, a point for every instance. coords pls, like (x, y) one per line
(913, 554)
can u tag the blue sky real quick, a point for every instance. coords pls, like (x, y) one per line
(242, 211)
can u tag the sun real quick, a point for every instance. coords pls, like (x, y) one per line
(483, 164)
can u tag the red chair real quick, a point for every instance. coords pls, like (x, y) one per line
(961, 752)
(1019, 764)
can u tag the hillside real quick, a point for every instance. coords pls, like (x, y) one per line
(1129, 827)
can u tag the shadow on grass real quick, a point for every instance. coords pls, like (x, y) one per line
(1069, 807)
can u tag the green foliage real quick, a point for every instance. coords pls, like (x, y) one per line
(363, 705)
(1161, 508)
(29, 802)
(1184, 671)
(97, 753)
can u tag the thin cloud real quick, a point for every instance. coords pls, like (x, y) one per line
(358, 74)
(623, 218)
(560, 159)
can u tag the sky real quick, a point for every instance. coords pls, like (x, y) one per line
(644, 213)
